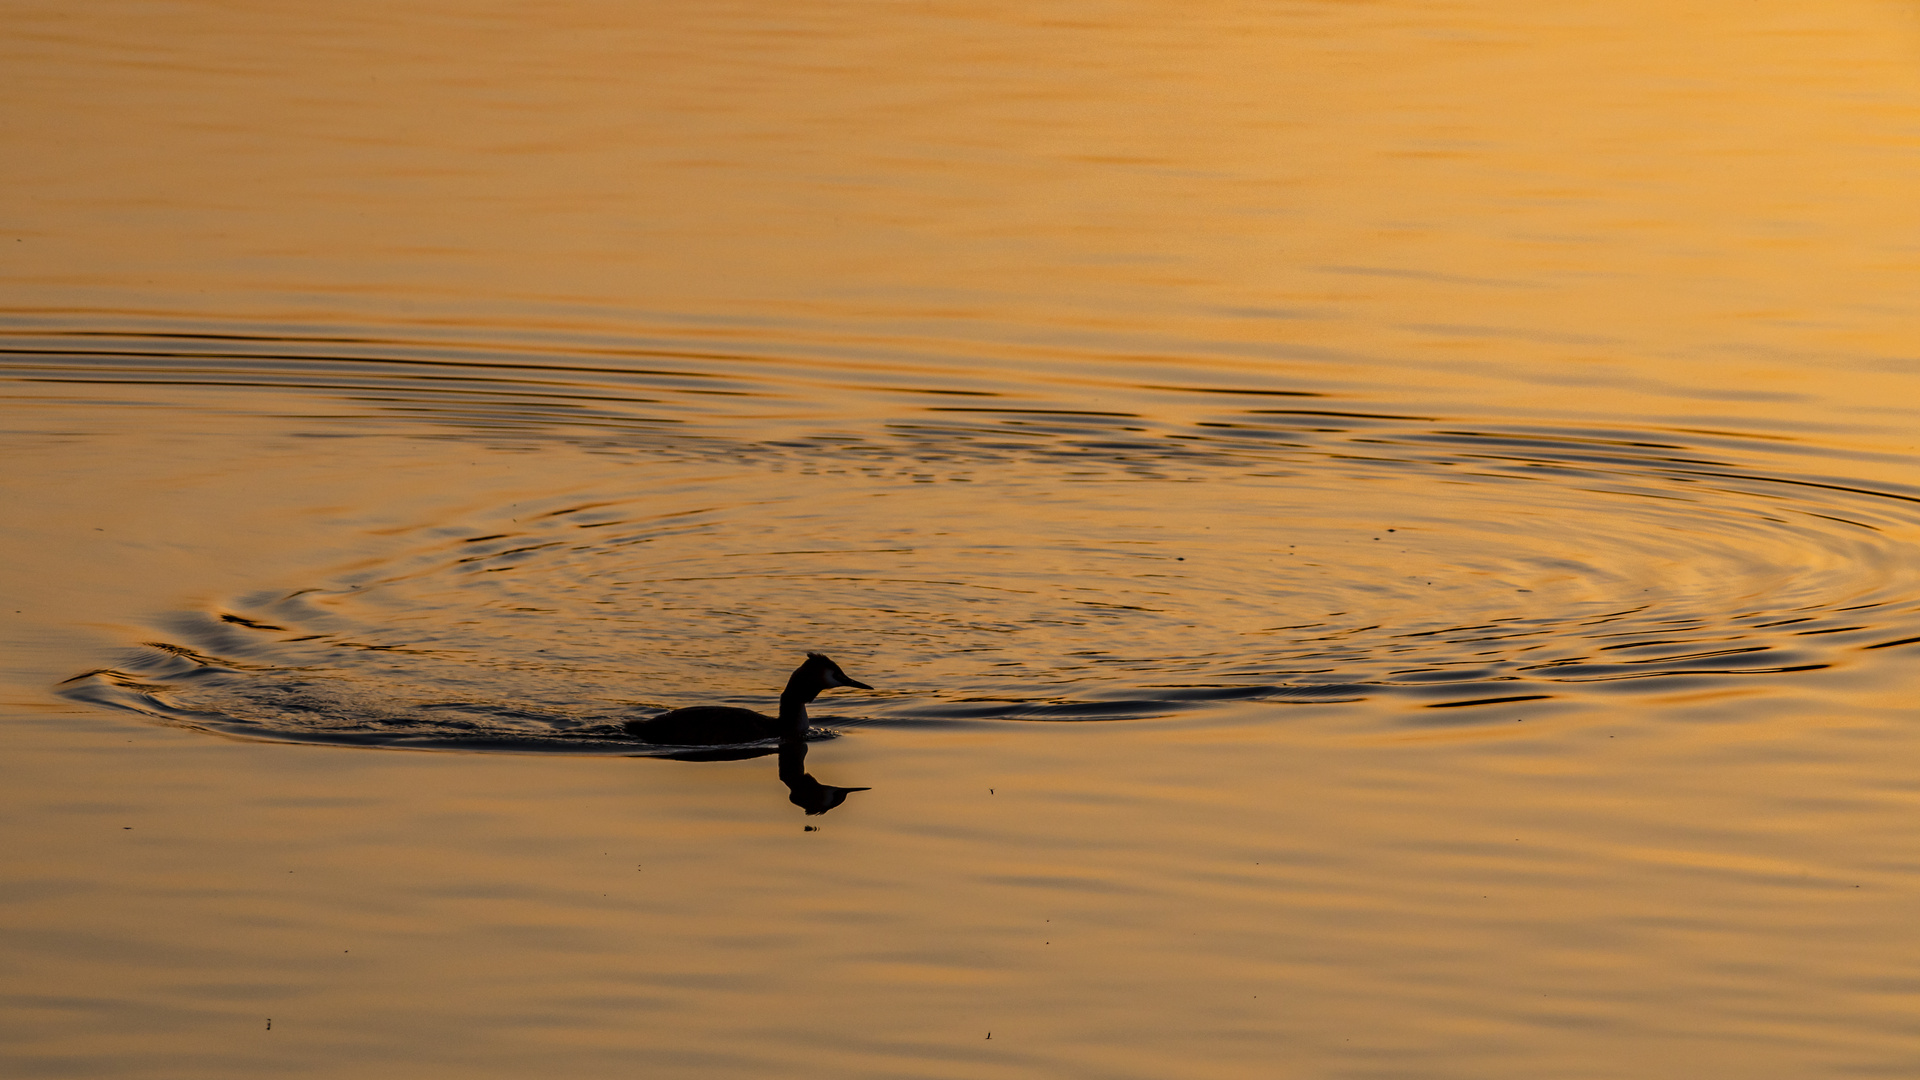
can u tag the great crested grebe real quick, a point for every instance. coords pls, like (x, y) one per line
(709, 725)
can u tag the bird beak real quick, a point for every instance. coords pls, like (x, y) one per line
(836, 677)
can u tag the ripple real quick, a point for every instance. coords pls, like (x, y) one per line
(1013, 560)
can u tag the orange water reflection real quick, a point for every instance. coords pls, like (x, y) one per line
(1596, 193)
(294, 297)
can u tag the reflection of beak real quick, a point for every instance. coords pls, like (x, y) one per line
(828, 798)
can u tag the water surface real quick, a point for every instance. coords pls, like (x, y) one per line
(1383, 535)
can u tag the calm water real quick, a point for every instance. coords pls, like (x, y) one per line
(1386, 539)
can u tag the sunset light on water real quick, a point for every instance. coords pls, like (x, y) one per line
(1363, 540)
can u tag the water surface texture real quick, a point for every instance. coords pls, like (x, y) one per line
(1100, 564)
(1386, 539)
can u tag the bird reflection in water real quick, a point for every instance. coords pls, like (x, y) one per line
(803, 790)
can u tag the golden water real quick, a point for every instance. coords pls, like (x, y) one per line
(1384, 536)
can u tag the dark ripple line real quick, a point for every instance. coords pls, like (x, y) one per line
(322, 358)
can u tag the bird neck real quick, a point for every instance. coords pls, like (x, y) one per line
(793, 709)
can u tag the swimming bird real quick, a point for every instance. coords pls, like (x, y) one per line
(708, 725)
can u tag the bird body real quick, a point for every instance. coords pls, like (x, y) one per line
(712, 725)
(704, 725)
